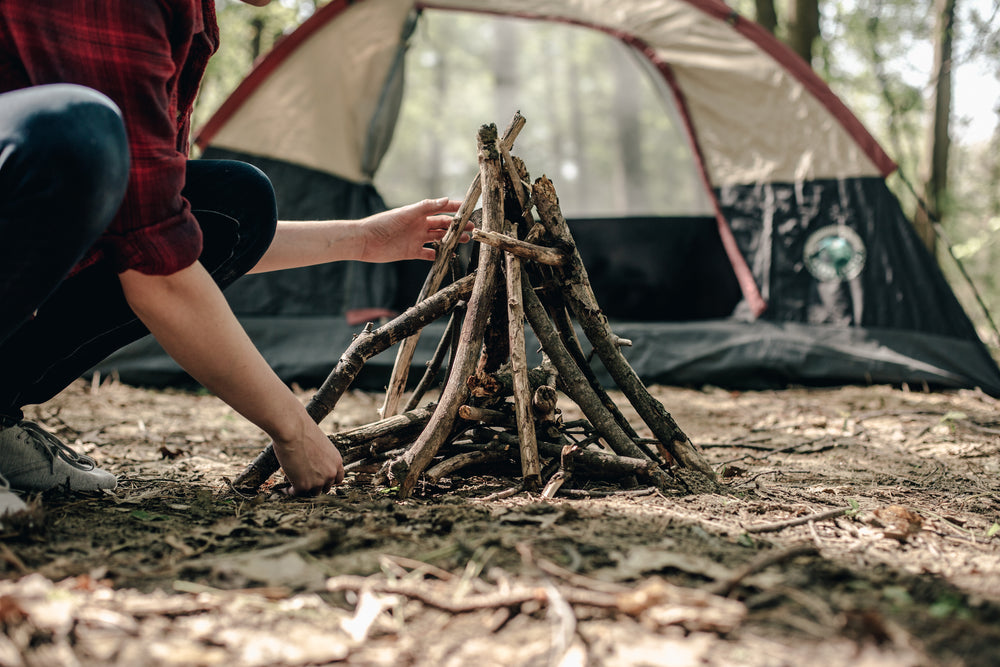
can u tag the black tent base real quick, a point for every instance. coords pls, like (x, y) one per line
(725, 353)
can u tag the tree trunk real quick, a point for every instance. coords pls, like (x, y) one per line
(629, 134)
(935, 172)
(506, 74)
(434, 173)
(257, 24)
(766, 16)
(803, 27)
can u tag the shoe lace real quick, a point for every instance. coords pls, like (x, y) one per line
(55, 448)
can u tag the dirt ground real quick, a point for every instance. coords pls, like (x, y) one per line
(175, 568)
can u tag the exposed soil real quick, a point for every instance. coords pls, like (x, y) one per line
(174, 568)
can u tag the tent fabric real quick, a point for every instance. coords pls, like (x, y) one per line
(713, 70)
(725, 353)
(900, 286)
(354, 53)
(801, 269)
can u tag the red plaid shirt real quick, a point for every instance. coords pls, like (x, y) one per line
(148, 56)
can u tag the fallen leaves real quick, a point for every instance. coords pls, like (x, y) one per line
(897, 522)
(64, 623)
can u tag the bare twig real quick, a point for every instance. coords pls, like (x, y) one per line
(401, 368)
(762, 562)
(530, 467)
(581, 299)
(474, 413)
(405, 470)
(463, 460)
(521, 249)
(797, 521)
(365, 346)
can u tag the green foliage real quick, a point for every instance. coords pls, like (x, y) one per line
(950, 605)
(246, 33)
(855, 508)
(898, 596)
(872, 61)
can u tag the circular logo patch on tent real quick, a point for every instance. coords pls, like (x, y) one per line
(834, 252)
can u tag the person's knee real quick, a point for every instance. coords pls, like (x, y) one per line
(260, 202)
(82, 137)
(69, 153)
(259, 187)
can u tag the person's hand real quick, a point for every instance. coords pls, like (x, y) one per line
(189, 316)
(402, 233)
(310, 462)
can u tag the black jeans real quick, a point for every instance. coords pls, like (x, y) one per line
(84, 318)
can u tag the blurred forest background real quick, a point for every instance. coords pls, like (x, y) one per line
(924, 75)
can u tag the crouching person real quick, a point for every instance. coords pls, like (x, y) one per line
(108, 232)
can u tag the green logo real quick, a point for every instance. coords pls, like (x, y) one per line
(834, 253)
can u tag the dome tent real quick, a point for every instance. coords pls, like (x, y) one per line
(732, 212)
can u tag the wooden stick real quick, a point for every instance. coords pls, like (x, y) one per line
(365, 346)
(797, 521)
(556, 306)
(496, 341)
(563, 474)
(434, 365)
(518, 175)
(405, 470)
(483, 415)
(581, 299)
(463, 460)
(381, 436)
(574, 383)
(530, 467)
(606, 465)
(543, 402)
(401, 368)
(522, 249)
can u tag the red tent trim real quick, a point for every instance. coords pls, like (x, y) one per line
(715, 8)
(266, 66)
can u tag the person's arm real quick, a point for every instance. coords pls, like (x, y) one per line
(187, 314)
(397, 234)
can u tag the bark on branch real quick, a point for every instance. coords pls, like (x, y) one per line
(522, 249)
(401, 368)
(405, 470)
(365, 346)
(581, 300)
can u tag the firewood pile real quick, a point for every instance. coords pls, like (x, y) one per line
(493, 409)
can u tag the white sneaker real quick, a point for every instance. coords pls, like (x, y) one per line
(10, 502)
(34, 460)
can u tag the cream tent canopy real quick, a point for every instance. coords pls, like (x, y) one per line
(730, 208)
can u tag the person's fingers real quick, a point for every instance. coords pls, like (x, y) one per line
(293, 490)
(439, 222)
(440, 205)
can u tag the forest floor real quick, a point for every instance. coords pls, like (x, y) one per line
(175, 568)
